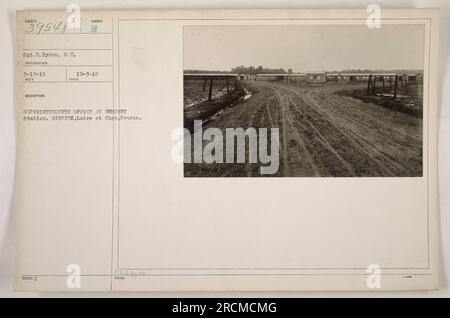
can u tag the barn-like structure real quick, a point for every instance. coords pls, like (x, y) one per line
(272, 77)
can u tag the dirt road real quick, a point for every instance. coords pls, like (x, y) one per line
(323, 134)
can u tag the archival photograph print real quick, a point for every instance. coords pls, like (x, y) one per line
(303, 100)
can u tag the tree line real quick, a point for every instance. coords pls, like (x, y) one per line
(245, 70)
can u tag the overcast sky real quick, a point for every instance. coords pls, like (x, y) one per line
(304, 48)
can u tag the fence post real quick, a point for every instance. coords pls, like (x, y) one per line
(395, 86)
(369, 82)
(374, 85)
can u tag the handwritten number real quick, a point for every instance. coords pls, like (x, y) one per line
(40, 27)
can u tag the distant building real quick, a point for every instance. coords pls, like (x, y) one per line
(358, 77)
(316, 77)
(296, 78)
(415, 79)
(341, 78)
(272, 77)
(331, 77)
